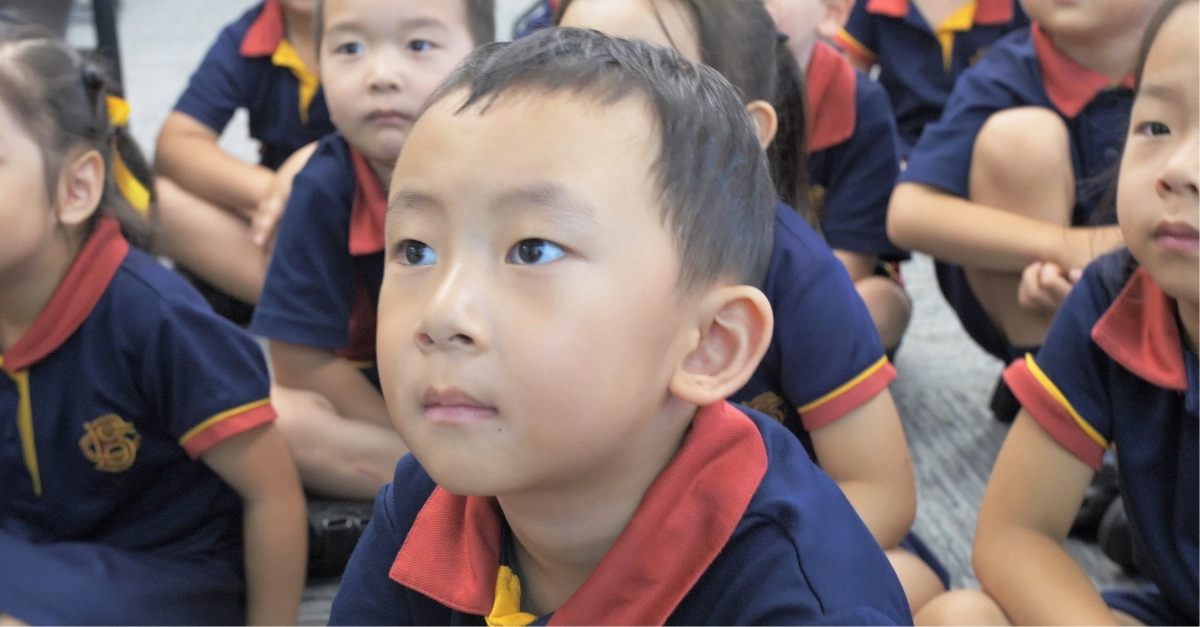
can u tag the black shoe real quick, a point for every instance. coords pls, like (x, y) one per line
(1004, 404)
(1115, 538)
(1103, 491)
(334, 528)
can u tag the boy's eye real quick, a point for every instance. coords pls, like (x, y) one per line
(528, 252)
(415, 253)
(1153, 128)
(420, 45)
(350, 47)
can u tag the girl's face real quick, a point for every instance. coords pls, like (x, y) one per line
(25, 208)
(1157, 202)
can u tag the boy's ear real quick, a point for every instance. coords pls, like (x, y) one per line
(80, 187)
(734, 330)
(766, 122)
(834, 18)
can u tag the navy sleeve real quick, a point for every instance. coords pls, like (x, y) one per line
(859, 33)
(219, 86)
(858, 178)
(308, 296)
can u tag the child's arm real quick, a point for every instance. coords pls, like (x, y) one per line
(955, 230)
(187, 152)
(257, 465)
(323, 372)
(1035, 490)
(269, 210)
(866, 454)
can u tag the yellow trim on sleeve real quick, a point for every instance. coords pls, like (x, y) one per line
(25, 428)
(960, 21)
(229, 413)
(285, 56)
(1062, 400)
(858, 46)
(843, 388)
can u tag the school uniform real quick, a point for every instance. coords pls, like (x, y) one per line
(1116, 371)
(252, 66)
(739, 528)
(1023, 69)
(106, 403)
(322, 285)
(918, 61)
(852, 157)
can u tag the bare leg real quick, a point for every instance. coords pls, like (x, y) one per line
(961, 607)
(1021, 163)
(889, 306)
(211, 242)
(336, 456)
(919, 581)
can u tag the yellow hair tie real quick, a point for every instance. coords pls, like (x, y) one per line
(131, 188)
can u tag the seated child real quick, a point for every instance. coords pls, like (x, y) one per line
(1118, 370)
(380, 60)
(920, 48)
(143, 481)
(264, 63)
(1007, 182)
(573, 235)
(841, 409)
(852, 160)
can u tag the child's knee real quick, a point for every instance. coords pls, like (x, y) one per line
(1022, 145)
(961, 607)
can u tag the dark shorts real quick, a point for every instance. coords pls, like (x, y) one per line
(915, 545)
(975, 321)
(1148, 605)
(77, 583)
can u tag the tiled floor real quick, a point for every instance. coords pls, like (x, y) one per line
(944, 379)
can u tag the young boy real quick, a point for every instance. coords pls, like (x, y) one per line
(1001, 188)
(379, 60)
(264, 62)
(853, 161)
(920, 47)
(566, 304)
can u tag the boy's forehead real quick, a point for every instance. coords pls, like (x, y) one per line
(389, 13)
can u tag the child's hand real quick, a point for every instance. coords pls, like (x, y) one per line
(270, 208)
(1044, 286)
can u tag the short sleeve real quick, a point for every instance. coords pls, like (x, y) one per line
(217, 88)
(1065, 387)
(857, 38)
(207, 376)
(860, 176)
(309, 293)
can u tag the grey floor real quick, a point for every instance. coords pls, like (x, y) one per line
(944, 379)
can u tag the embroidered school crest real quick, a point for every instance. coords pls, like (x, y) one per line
(768, 403)
(110, 443)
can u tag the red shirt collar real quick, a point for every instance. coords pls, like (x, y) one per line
(452, 552)
(265, 32)
(830, 89)
(1069, 85)
(987, 12)
(369, 211)
(1139, 331)
(72, 302)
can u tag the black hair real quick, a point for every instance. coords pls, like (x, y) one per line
(713, 179)
(1160, 17)
(481, 21)
(739, 39)
(61, 98)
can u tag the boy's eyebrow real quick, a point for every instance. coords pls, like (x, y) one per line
(551, 197)
(1158, 91)
(355, 25)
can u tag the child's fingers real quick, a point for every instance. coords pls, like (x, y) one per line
(1054, 284)
(266, 218)
(1027, 291)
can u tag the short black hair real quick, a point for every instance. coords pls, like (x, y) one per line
(481, 21)
(712, 175)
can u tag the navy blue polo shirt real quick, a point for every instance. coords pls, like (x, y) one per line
(125, 378)
(852, 156)
(1115, 371)
(1025, 69)
(322, 285)
(739, 528)
(252, 66)
(919, 62)
(825, 358)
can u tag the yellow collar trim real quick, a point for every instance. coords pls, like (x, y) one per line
(285, 56)
(960, 21)
(506, 609)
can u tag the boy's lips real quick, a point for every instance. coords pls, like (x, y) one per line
(453, 406)
(390, 117)
(1177, 237)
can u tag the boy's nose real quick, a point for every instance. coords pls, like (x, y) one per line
(453, 318)
(384, 74)
(1180, 173)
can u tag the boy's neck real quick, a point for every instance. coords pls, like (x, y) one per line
(299, 29)
(383, 171)
(560, 536)
(1189, 317)
(935, 12)
(25, 290)
(1111, 56)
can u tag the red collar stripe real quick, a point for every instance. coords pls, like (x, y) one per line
(831, 84)
(265, 32)
(369, 212)
(1140, 332)
(72, 302)
(1069, 85)
(685, 519)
